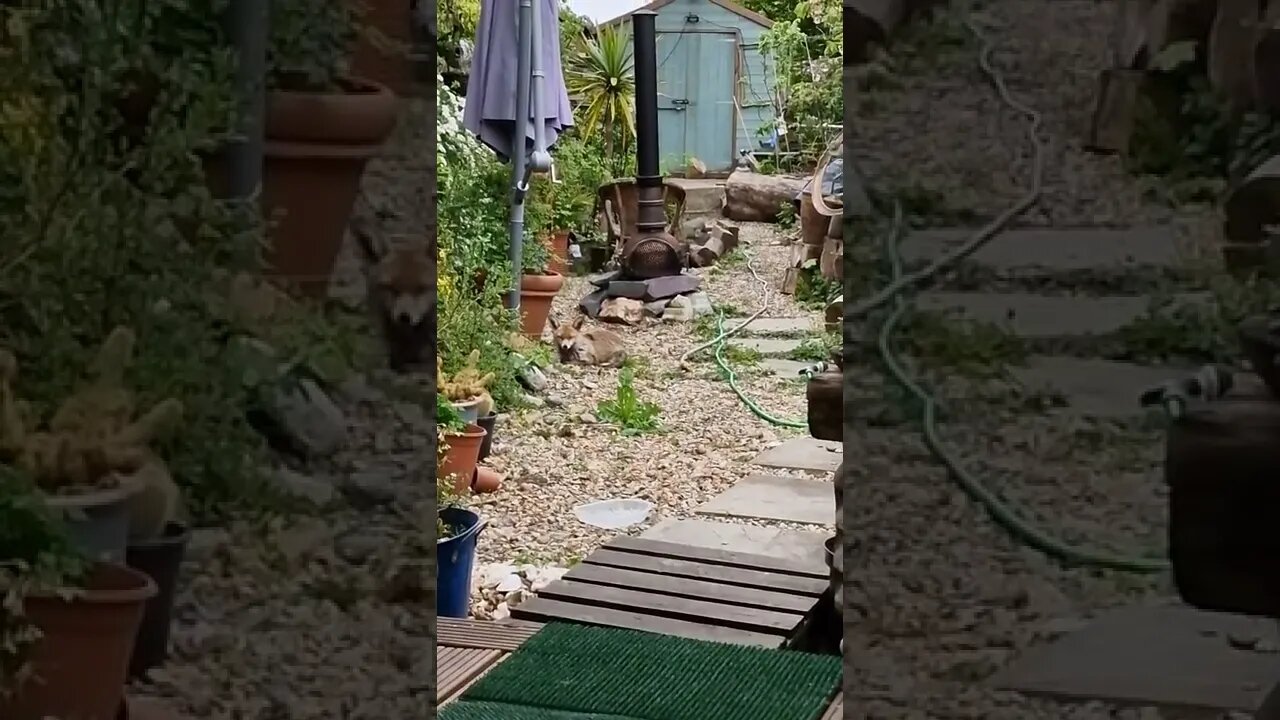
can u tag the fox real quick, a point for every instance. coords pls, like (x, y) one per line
(401, 282)
(593, 346)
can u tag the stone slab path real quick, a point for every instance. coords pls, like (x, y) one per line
(804, 548)
(1094, 388)
(767, 347)
(1170, 656)
(782, 326)
(1030, 251)
(1044, 317)
(771, 497)
(803, 453)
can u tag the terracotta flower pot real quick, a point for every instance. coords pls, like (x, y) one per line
(558, 249)
(536, 294)
(82, 660)
(459, 462)
(393, 19)
(316, 151)
(487, 480)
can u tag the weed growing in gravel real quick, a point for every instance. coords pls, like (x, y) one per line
(972, 349)
(815, 348)
(633, 415)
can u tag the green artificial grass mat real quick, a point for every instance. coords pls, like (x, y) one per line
(629, 675)
(469, 710)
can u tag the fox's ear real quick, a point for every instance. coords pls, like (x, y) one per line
(577, 322)
(555, 320)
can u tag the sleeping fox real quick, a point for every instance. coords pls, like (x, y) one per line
(401, 280)
(593, 346)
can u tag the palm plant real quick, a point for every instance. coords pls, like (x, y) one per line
(601, 82)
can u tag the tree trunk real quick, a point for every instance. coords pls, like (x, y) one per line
(752, 197)
(1231, 50)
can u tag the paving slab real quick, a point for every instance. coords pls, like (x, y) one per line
(1033, 316)
(1029, 251)
(785, 368)
(781, 326)
(771, 497)
(1171, 656)
(801, 547)
(803, 453)
(1092, 387)
(766, 346)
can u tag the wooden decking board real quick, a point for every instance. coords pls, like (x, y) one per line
(712, 556)
(741, 577)
(679, 608)
(685, 587)
(836, 710)
(457, 668)
(671, 589)
(482, 634)
(548, 610)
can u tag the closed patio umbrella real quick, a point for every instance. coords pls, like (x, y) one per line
(517, 103)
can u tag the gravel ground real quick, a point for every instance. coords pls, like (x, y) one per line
(939, 598)
(561, 456)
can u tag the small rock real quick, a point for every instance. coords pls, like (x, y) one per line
(622, 311)
(510, 584)
(533, 401)
(310, 418)
(502, 612)
(603, 279)
(533, 378)
(655, 308)
(680, 309)
(590, 305)
(540, 578)
(368, 490)
(701, 303)
(696, 169)
(315, 491)
(491, 576)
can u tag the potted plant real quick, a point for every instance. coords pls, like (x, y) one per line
(468, 389)
(457, 531)
(68, 624)
(538, 288)
(86, 458)
(458, 447)
(322, 127)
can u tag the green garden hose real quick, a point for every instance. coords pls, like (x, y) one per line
(1000, 511)
(731, 378)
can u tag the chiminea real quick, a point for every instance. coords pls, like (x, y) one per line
(652, 251)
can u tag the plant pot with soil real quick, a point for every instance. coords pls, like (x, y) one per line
(69, 623)
(159, 557)
(457, 449)
(322, 127)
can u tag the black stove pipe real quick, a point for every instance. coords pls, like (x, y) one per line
(651, 217)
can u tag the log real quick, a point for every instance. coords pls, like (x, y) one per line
(1232, 39)
(831, 263)
(1266, 67)
(721, 240)
(1118, 94)
(833, 315)
(813, 225)
(752, 197)
(1254, 204)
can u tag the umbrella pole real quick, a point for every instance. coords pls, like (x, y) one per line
(529, 88)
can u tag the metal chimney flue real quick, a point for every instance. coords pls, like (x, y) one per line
(653, 252)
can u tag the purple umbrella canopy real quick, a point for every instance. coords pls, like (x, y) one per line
(490, 111)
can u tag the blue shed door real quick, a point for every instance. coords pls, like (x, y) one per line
(696, 91)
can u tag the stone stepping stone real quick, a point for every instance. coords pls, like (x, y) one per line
(785, 368)
(1095, 388)
(770, 497)
(1044, 317)
(803, 453)
(1032, 251)
(766, 346)
(1170, 656)
(804, 549)
(781, 326)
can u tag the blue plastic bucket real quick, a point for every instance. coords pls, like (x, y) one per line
(456, 558)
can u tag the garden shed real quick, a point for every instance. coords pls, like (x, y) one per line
(714, 88)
